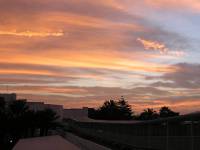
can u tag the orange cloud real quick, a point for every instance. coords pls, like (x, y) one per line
(154, 45)
(32, 33)
(99, 48)
(186, 106)
(86, 60)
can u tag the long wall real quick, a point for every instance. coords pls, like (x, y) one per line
(179, 133)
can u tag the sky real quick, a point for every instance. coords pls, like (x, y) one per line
(82, 52)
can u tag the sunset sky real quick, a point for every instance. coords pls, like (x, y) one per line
(82, 52)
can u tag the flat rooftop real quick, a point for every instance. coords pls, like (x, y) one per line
(45, 143)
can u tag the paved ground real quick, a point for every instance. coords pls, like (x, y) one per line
(45, 143)
(84, 144)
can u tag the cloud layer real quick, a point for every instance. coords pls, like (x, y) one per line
(82, 52)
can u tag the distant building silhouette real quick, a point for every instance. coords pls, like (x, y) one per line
(8, 97)
(78, 114)
(39, 106)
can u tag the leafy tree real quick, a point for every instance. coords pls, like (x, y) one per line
(112, 110)
(17, 121)
(18, 108)
(92, 113)
(45, 120)
(2, 105)
(126, 112)
(3, 123)
(167, 112)
(108, 111)
(148, 114)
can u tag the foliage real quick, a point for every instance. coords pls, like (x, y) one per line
(148, 114)
(121, 110)
(18, 121)
(167, 112)
(113, 110)
(45, 120)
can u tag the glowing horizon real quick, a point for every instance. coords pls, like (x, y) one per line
(83, 52)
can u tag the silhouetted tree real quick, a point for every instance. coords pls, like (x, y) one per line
(126, 112)
(18, 108)
(92, 113)
(3, 124)
(17, 121)
(167, 112)
(45, 120)
(2, 105)
(148, 114)
(112, 110)
(30, 118)
(108, 111)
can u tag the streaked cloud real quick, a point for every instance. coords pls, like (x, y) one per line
(160, 47)
(186, 76)
(153, 45)
(82, 52)
(190, 5)
(148, 98)
(31, 33)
